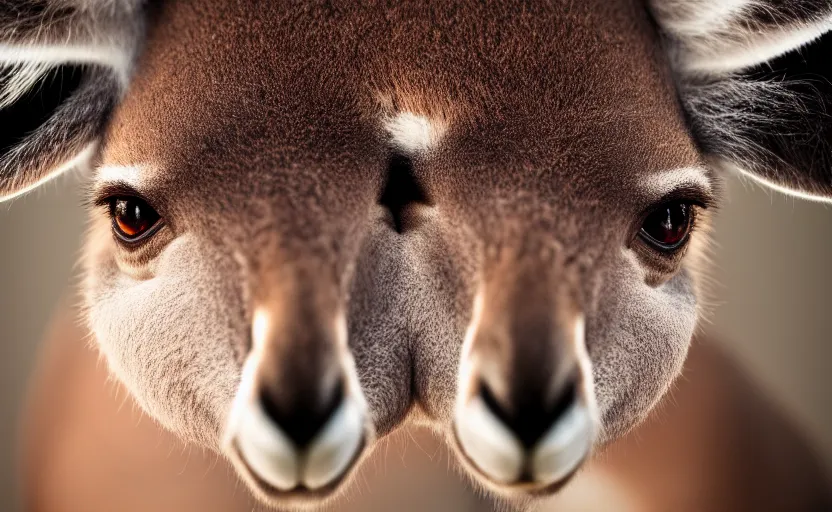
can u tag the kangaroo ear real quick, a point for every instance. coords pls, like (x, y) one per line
(63, 67)
(755, 79)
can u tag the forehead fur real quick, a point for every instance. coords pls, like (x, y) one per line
(320, 79)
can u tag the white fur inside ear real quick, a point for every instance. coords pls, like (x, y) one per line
(755, 48)
(722, 36)
(18, 79)
(767, 46)
(30, 62)
(694, 18)
(413, 133)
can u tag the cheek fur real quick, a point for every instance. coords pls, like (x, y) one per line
(170, 340)
(637, 341)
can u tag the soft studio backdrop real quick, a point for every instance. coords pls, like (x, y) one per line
(773, 265)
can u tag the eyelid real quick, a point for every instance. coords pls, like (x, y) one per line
(102, 195)
(691, 193)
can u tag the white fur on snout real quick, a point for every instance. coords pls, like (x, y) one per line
(334, 447)
(564, 446)
(493, 447)
(266, 449)
(276, 460)
(488, 442)
(270, 454)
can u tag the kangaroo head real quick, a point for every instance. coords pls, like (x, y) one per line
(310, 221)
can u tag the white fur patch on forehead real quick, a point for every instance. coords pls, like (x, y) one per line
(414, 134)
(664, 182)
(127, 174)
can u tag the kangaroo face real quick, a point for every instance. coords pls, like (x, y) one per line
(241, 295)
(560, 244)
(313, 220)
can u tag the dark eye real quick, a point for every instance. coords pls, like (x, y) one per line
(667, 227)
(133, 218)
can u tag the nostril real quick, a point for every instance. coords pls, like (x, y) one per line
(529, 419)
(302, 419)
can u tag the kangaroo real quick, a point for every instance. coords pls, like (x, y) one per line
(313, 222)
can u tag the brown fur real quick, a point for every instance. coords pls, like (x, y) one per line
(261, 133)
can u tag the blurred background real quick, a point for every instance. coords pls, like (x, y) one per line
(772, 266)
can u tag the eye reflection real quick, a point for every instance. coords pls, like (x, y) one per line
(132, 218)
(668, 226)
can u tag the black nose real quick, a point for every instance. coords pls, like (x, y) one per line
(528, 415)
(302, 415)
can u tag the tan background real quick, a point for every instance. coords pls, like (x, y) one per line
(774, 258)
